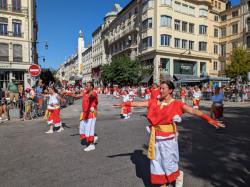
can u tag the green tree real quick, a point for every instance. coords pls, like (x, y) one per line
(121, 71)
(240, 64)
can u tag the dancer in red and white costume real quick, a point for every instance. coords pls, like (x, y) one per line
(155, 92)
(88, 116)
(163, 147)
(147, 94)
(183, 94)
(196, 97)
(54, 119)
(125, 109)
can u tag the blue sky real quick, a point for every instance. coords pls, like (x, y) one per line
(60, 21)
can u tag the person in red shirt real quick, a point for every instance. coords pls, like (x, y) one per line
(155, 92)
(163, 114)
(183, 94)
(147, 96)
(88, 116)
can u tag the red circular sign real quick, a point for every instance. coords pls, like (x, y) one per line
(34, 70)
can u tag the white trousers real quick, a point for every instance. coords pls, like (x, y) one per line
(87, 129)
(164, 168)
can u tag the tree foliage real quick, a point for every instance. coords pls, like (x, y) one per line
(121, 71)
(240, 64)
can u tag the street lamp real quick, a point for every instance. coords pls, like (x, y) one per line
(43, 58)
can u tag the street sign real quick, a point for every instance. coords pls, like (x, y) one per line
(34, 70)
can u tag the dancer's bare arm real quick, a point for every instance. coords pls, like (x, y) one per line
(139, 104)
(200, 114)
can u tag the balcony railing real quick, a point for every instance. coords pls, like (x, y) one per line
(19, 10)
(124, 33)
(12, 34)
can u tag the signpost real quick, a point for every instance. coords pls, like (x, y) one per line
(34, 70)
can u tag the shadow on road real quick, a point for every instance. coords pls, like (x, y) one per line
(142, 165)
(218, 156)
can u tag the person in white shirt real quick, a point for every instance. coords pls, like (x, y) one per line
(54, 119)
(196, 97)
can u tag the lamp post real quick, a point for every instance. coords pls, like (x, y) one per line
(34, 51)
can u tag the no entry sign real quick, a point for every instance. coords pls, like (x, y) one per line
(34, 70)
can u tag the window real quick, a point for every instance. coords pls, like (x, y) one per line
(184, 26)
(166, 21)
(223, 32)
(203, 29)
(216, 32)
(177, 42)
(185, 8)
(177, 6)
(248, 24)
(219, 5)
(147, 5)
(202, 46)
(222, 66)
(17, 28)
(16, 5)
(4, 52)
(3, 26)
(215, 65)
(136, 10)
(215, 49)
(147, 42)
(191, 45)
(191, 27)
(248, 42)
(234, 45)
(216, 18)
(166, 2)
(235, 14)
(3, 4)
(235, 28)
(224, 18)
(191, 11)
(203, 11)
(17, 53)
(177, 24)
(148, 23)
(184, 44)
(223, 49)
(165, 40)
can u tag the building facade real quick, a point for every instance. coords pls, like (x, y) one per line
(170, 38)
(87, 63)
(72, 68)
(18, 36)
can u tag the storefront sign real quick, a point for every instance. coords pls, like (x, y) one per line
(4, 66)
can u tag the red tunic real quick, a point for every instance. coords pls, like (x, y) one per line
(147, 91)
(164, 116)
(87, 103)
(155, 93)
(183, 93)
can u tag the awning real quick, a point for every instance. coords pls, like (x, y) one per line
(186, 78)
(146, 79)
(75, 78)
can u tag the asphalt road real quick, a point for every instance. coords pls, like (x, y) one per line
(209, 157)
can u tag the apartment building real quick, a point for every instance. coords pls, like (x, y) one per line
(170, 38)
(87, 63)
(98, 50)
(98, 54)
(245, 22)
(18, 35)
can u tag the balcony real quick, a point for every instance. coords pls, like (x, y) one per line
(124, 33)
(17, 10)
(12, 34)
